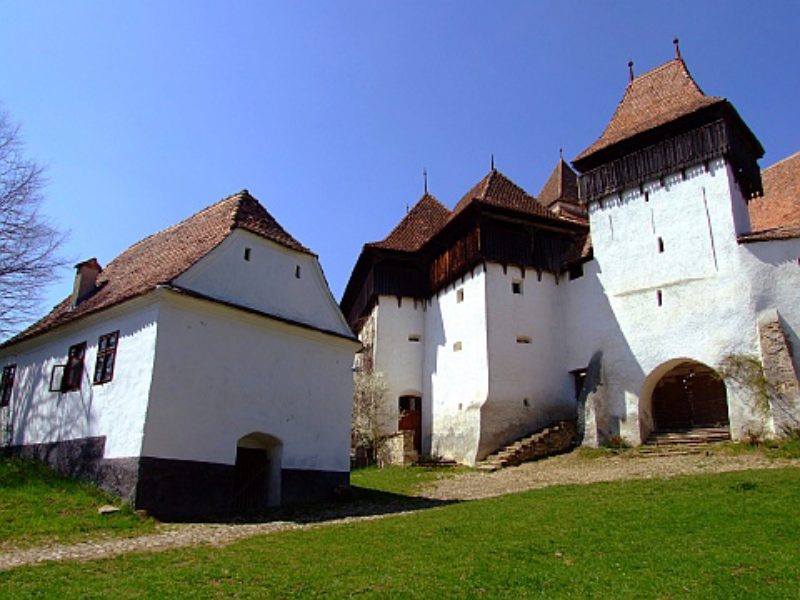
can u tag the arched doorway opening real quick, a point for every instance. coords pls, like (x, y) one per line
(257, 473)
(689, 395)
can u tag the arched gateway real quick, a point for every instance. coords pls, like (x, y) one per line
(257, 473)
(687, 394)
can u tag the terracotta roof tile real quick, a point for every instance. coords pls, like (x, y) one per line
(778, 233)
(421, 223)
(561, 186)
(655, 98)
(498, 190)
(780, 205)
(161, 257)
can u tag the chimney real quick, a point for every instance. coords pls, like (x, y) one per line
(86, 274)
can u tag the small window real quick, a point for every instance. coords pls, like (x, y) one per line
(525, 402)
(7, 384)
(408, 403)
(297, 272)
(647, 196)
(516, 287)
(57, 377)
(457, 347)
(73, 371)
(523, 339)
(414, 337)
(247, 254)
(659, 298)
(660, 245)
(106, 357)
(460, 295)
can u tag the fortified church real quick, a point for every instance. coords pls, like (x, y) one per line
(616, 297)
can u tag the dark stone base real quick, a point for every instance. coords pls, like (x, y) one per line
(83, 459)
(299, 486)
(169, 488)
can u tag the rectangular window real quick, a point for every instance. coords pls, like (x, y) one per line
(106, 357)
(460, 295)
(523, 339)
(414, 337)
(74, 369)
(516, 287)
(7, 384)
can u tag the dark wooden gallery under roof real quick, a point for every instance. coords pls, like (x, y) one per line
(495, 221)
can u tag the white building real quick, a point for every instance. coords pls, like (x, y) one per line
(205, 369)
(614, 297)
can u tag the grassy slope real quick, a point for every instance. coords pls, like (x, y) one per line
(727, 535)
(38, 506)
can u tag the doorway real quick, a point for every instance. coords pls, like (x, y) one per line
(691, 395)
(410, 418)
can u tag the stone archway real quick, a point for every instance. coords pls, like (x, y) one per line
(685, 394)
(257, 473)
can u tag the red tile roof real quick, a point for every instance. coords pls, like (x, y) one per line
(561, 186)
(161, 257)
(421, 223)
(655, 98)
(498, 190)
(780, 205)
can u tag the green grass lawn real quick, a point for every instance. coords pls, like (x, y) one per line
(406, 481)
(38, 506)
(725, 536)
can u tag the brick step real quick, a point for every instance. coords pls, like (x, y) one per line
(545, 442)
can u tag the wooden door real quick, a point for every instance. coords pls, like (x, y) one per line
(411, 418)
(250, 474)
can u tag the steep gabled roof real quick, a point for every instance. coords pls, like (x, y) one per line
(161, 257)
(498, 190)
(655, 98)
(780, 206)
(561, 186)
(421, 223)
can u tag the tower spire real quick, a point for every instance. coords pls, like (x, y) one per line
(425, 179)
(630, 69)
(492, 162)
(677, 48)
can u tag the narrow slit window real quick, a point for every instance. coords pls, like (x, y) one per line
(414, 337)
(460, 295)
(659, 298)
(247, 254)
(660, 245)
(7, 384)
(106, 357)
(297, 272)
(523, 339)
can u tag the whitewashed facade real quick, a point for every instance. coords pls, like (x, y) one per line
(675, 279)
(243, 351)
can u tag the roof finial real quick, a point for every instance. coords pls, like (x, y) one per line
(630, 69)
(492, 161)
(561, 153)
(425, 178)
(677, 48)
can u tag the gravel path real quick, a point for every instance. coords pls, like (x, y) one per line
(565, 469)
(575, 469)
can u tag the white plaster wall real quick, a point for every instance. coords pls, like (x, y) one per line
(456, 383)
(529, 386)
(399, 359)
(221, 374)
(115, 409)
(267, 281)
(708, 301)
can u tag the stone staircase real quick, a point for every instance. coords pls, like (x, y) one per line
(554, 439)
(678, 443)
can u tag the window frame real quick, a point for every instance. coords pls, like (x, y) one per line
(105, 354)
(7, 384)
(74, 368)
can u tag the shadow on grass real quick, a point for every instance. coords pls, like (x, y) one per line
(359, 502)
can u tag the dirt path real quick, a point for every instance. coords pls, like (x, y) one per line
(566, 469)
(575, 469)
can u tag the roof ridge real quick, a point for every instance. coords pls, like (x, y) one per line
(781, 161)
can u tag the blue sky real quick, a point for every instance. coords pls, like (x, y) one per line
(146, 112)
